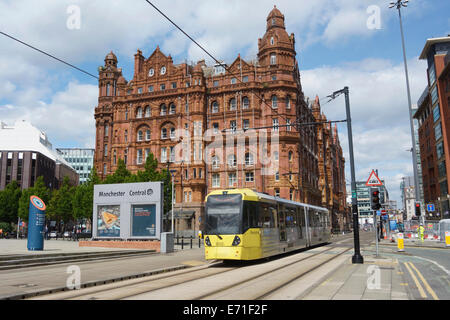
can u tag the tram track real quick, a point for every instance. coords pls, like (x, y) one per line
(212, 281)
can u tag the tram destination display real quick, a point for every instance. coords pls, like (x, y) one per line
(128, 210)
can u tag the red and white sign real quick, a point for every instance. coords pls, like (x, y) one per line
(373, 180)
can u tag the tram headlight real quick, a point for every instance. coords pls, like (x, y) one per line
(236, 241)
(208, 243)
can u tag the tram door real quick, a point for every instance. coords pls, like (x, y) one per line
(282, 222)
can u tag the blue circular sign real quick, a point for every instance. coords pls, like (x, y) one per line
(38, 203)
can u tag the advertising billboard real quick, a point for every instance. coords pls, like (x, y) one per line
(128, 210)
(108, 221)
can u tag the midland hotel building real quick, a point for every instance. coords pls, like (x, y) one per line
(167, 108)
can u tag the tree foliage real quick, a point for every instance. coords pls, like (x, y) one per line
(9, 202)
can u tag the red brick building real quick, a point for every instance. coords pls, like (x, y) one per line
(208, 123)
(433, 116)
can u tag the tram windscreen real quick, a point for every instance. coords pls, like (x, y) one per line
(223, 214)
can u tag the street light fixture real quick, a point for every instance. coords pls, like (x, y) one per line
(398, 4)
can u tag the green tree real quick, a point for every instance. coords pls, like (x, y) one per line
(60, 205)
(39, 189)
(9, 202)
(121, 175)
(82, 202)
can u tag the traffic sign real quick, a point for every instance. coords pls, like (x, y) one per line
(430, 207)
(373, 180)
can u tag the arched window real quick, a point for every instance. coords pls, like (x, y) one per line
(148, 135)
(215, 107)
(290, 155)
(172, 109)
(288, 102)
(232, 104)
(147, 112)
(163, 110)
(245, 103)
(139, 112)
(140, 135)
(172, 132)
(274, 102)
(163, 133)
(271, 41)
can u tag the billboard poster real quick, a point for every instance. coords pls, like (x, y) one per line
(108, 221)
(143, 220)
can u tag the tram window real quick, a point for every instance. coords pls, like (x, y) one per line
(291, 220)
(267, 216)
(250, 215)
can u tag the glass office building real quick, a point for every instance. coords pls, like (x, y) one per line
(82, 160)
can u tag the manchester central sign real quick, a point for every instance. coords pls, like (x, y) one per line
(128, 210)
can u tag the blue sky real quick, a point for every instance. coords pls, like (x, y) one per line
(334, 48)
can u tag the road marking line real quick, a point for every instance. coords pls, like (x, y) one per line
(433, 294)
(419, 286)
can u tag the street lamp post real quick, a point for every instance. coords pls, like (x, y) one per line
(357, 257)
(398, 4)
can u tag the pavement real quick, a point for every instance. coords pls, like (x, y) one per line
(380, 277)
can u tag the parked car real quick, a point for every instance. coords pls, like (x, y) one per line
(53, 234)
(67, 234)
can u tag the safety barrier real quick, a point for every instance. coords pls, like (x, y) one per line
(431, 230)
(190, 241)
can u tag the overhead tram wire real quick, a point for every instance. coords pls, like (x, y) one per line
(48, 54)
(212, 57)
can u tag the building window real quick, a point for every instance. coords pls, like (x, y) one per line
(140, 135)
(139, 156)
(216, 83)
(233, 126)
(216, 180)
(273, 59)
(249, 177)
(245, 124)
(215, 107)
(288, 123)
(147, 135)
(163, 110)
(271, 41)
(139, 90)
(290, 155)
(215, 127)
(106, 130)
(249, 161)
(232, 179)
(174, 85)
(436, 113)
(440, 149)
(245, 103)
(147, 112)
(215, 162)
(288, 102)
(232, 160)
(277, 176)
(245, 79)
(291, 194)
(104, 169)
(139, 113)
(106, 150)
(438, 131)
(172, 133)
(233, 80)
(125, 136)
(150, 89)
(232, 104)
(275, 124)
(277, 192)
(115, 157)
(163, 87)
(163, 133)
(172, 109)
(274, 102)
(125, 156)
(276, 156)
(163, 154)
(172, 154)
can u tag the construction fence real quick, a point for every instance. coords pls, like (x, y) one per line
(433, 230)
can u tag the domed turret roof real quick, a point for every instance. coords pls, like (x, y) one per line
(111, 56)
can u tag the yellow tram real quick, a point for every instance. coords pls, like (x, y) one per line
(241, 224)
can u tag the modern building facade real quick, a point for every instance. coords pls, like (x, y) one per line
(214, 127)
(433, 116)
(81, 159)
(26, 153)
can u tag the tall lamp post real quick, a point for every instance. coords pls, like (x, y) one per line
(399, 4)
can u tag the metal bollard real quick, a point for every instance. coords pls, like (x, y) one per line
(182, 242)
(199, 243)
(191, 242)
